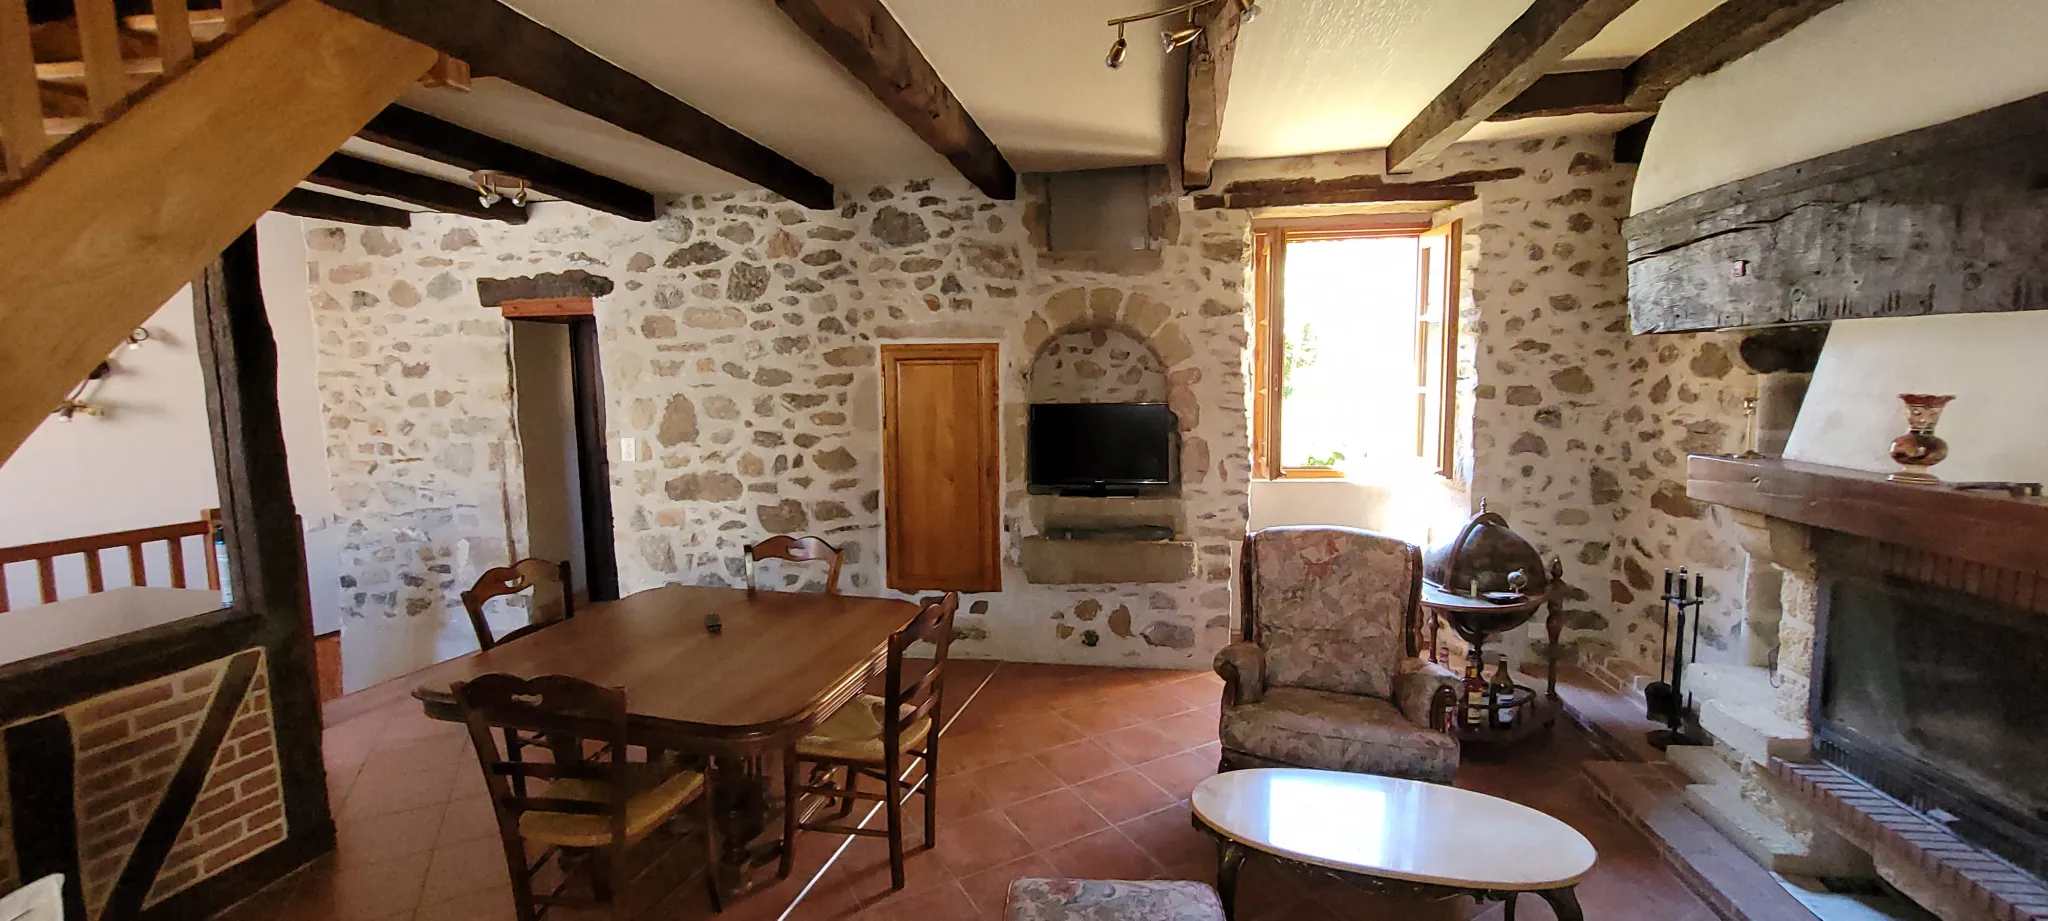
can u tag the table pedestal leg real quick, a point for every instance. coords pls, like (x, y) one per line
(742, 809)
(1508, 912)
(1564, 903)
(1230, 856)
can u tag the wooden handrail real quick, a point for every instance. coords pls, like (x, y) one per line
(46, 554)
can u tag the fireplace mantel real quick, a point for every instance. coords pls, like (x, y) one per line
(1990, 528)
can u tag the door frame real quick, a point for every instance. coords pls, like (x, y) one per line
(593, 460)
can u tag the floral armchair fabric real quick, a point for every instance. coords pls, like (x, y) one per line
(1327, 676)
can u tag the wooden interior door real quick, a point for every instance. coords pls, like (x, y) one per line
(940, 452)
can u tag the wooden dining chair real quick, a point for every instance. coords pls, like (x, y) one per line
(511, 580)
(796, 550)
(870, 737)
(591, 811)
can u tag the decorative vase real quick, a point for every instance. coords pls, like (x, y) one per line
(1920, 448)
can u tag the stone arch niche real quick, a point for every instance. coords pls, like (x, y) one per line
(1084, 540)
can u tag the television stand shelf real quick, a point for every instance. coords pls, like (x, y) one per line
(1052, 561)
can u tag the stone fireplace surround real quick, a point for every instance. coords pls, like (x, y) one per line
(1984, 545)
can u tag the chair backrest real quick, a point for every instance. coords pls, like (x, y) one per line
(911, 701)
(511, 580)
(564, 709)
(796, 550)
(1336, 609)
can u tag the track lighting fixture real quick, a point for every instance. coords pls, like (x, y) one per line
(493, 187)
(1117, 50)
(1171, 39)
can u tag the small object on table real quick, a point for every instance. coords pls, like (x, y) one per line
(1393, 838)
(712, 624)
(2015, 489)
(1920, 448)
(1474, 715)
(1500, 697)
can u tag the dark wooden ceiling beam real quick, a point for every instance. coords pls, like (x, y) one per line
(1208, 92)
(1367, 188)
(424, 135)
(1726, 34)
(1576, 93)
(1534, 45)
(367, 177)
(497, 41)
(866, 40)
(321, 206)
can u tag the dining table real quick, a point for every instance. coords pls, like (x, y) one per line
(724, 674)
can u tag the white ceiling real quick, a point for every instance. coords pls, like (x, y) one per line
(1311, 76)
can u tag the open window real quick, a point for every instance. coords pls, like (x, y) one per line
(1355, 348)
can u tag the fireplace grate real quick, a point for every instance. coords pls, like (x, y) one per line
(1939, 799)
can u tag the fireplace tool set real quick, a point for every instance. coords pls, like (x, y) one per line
(1666, 700)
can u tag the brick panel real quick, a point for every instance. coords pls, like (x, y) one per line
(240, 808)
(129, 744)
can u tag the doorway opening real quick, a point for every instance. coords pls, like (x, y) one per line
(558, 395)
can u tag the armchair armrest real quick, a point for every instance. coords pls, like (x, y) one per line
(1417, 685)
(1243, 667)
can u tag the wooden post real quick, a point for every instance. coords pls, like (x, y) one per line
(239, 362)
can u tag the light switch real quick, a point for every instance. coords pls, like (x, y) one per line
(629, 449)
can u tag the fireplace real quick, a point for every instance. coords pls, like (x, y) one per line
(1935, 695)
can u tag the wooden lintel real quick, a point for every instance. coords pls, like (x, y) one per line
(1208, 92)
(99, 237)
(1586, 92)
(547, 308)
(1726, 33)
(498, 41)
(323, 207)
(1361, 189)
(866, 40)
(423, 135)
(368, 177)
(1535, 44)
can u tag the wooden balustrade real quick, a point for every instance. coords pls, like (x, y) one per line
(46, 554)
(59, 79)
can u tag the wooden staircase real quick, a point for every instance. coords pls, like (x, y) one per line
(134, 148)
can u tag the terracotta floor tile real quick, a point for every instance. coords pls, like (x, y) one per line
(1170, 837)
(989, 890)
(464, 869)
(1190, 728)
(379, 796)
(1123, 795)
(1152, 703)
(1178, 774)
(1080, 761)
(361, 892)
(483, 905)
(1014, 781)
(1139, 744)
(980, 842)
(386, 836)
(1055, 818)
(1095, 720)
(945, 902)
(467, 820)
(1041, 731)
(959, 797)
(1107, 854)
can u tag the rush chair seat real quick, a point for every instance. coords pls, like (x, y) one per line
(795, 550)
(872, 737)
(587, 813)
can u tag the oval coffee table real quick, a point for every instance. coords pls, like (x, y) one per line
(1400, 837)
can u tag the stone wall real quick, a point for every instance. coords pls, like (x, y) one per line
(739, 349)
(1098, 365)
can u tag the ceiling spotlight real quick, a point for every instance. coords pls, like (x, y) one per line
(1179, 37)
(493, 187)
(1117, 51)
(1250, 12)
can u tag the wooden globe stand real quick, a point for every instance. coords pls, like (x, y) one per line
(1478, 620)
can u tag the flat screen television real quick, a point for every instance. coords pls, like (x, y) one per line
(1098, 448)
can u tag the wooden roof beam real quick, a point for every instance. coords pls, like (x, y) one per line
(1208, 91)
(496, 41)
(368, 177)
(1531, 47)
(866, 40)
(424, 135)
(1727, 33)
(321, 206)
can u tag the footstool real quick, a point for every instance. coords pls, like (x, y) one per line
(1112, 900)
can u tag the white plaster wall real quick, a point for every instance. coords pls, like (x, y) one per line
(1990, 361)
(1418, 510)
(1865, 70)
(149, 461)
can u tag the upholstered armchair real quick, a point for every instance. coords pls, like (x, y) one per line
(1328, 674)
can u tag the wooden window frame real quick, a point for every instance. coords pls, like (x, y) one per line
(1269, 264)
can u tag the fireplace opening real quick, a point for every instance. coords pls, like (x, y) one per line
(1939, 698)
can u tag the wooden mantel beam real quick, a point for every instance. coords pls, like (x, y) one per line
(874, 48)
(496, 41)
(1208, 91)
(424, 135)
(1534, 45)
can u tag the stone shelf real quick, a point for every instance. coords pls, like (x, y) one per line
(1048, 561)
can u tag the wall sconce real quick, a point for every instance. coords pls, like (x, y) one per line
(75, 404)
(493, 187)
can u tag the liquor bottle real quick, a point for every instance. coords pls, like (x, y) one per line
(1501, 691)
(1475, 693)
(220, 565)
